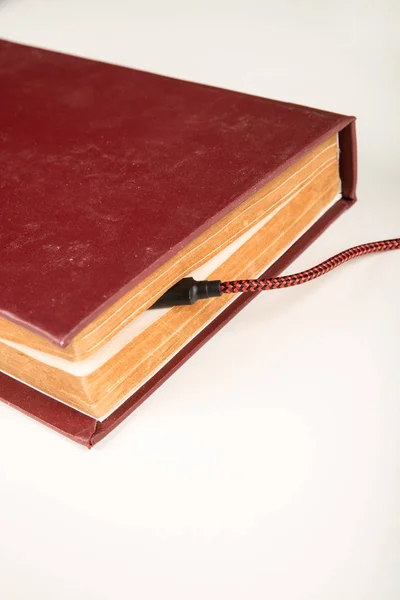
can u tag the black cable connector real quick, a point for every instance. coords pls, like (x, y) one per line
(188, 291)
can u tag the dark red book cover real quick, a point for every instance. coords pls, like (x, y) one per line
(106, 172)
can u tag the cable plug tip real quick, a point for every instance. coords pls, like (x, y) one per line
(187, 291)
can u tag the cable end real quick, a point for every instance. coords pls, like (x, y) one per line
(188, 291)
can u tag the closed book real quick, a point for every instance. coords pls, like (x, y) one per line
(115, 184)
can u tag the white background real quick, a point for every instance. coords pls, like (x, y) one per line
(268, 466)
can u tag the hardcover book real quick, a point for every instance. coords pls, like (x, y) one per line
(114, 185)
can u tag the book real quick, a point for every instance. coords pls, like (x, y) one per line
(115, 185)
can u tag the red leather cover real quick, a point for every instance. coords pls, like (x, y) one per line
(93, 158)
(106, 172)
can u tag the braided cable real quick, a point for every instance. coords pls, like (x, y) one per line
(275, 283)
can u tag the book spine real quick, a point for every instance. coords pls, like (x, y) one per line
(348, 162)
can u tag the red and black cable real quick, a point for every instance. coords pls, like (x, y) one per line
(187, 291)
(276, 283)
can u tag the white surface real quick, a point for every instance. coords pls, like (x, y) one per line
(282, 481)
